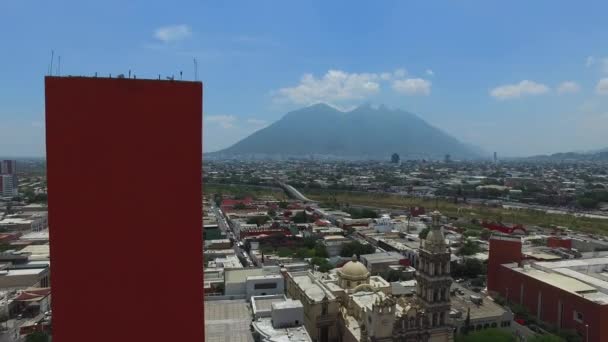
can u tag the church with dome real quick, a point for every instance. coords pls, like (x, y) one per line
(350, 305)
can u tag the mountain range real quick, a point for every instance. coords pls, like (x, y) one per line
(362, 133)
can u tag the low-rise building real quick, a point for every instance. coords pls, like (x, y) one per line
(333, 244)
(481, 311)
(247, 282)
(278, 319)
(379, 263)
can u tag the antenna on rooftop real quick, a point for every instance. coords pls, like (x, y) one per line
(51, 65)
(180, 75)
(195, 70)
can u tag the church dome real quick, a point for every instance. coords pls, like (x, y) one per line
(435, 241)
(354, 270)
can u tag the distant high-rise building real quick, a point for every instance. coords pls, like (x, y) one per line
(8, 186)
(8, 178)
(495, 158)
(8, 167)
(447, 158)
(395, 158)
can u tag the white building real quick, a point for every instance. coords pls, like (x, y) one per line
(8, 186)
(247, 282)
(34, 222)
(278, 319)
(333, 244)
(383, 224)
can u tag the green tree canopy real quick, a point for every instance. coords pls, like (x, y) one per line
(494, 335)
(37, 337)
(546, 338)
(356, 248)
(423, 233)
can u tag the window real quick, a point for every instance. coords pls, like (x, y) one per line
(262, 286)
(578, 316)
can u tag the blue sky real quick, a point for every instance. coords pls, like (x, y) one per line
(516, 77)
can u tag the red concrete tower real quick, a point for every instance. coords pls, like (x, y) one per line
(503, 250)
(126, 239)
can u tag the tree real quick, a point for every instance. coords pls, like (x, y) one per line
(309, 242)
(494, 335)
(546, 338)
(272, 213)
(321, 251)
(356, 248)
(283, 205)
(323, 264)
(423, 233)
(258, 220)
(284, 252)
(37, 336)
(471, 268)
(469, 248)
(239, 206)
(301, 217)
(395, 158)
(485, 234)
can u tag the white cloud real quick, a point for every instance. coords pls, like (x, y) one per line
(568, 87)
(523, 88)
(412, 86)
(224, 121)
(589, 61)
(173, 33)
(335, 85)
(602, 87)
(338, 87)
(430, 72)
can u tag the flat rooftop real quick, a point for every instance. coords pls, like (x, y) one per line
(227, 321)
(264, 326)
(462, 303)
(566, 283)
(311, 288)
(574, 263)
(264, 303)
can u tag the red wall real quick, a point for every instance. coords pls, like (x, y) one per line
(503, 250)
(595, 315)
(554, 241)
(104, 137)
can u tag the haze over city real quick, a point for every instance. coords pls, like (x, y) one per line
(303, 171)
(490, 74)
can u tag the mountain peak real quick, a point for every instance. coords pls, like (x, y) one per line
(363, 133)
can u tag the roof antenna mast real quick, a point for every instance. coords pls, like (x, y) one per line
(51, 66)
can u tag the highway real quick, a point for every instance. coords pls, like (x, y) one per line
(293, 192)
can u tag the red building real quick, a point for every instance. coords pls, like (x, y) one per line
(125, 236)
(558, 241)
(568, 294)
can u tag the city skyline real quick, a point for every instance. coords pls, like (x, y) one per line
(473, 70)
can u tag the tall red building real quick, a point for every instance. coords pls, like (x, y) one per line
(125, 233)
(567, 294)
